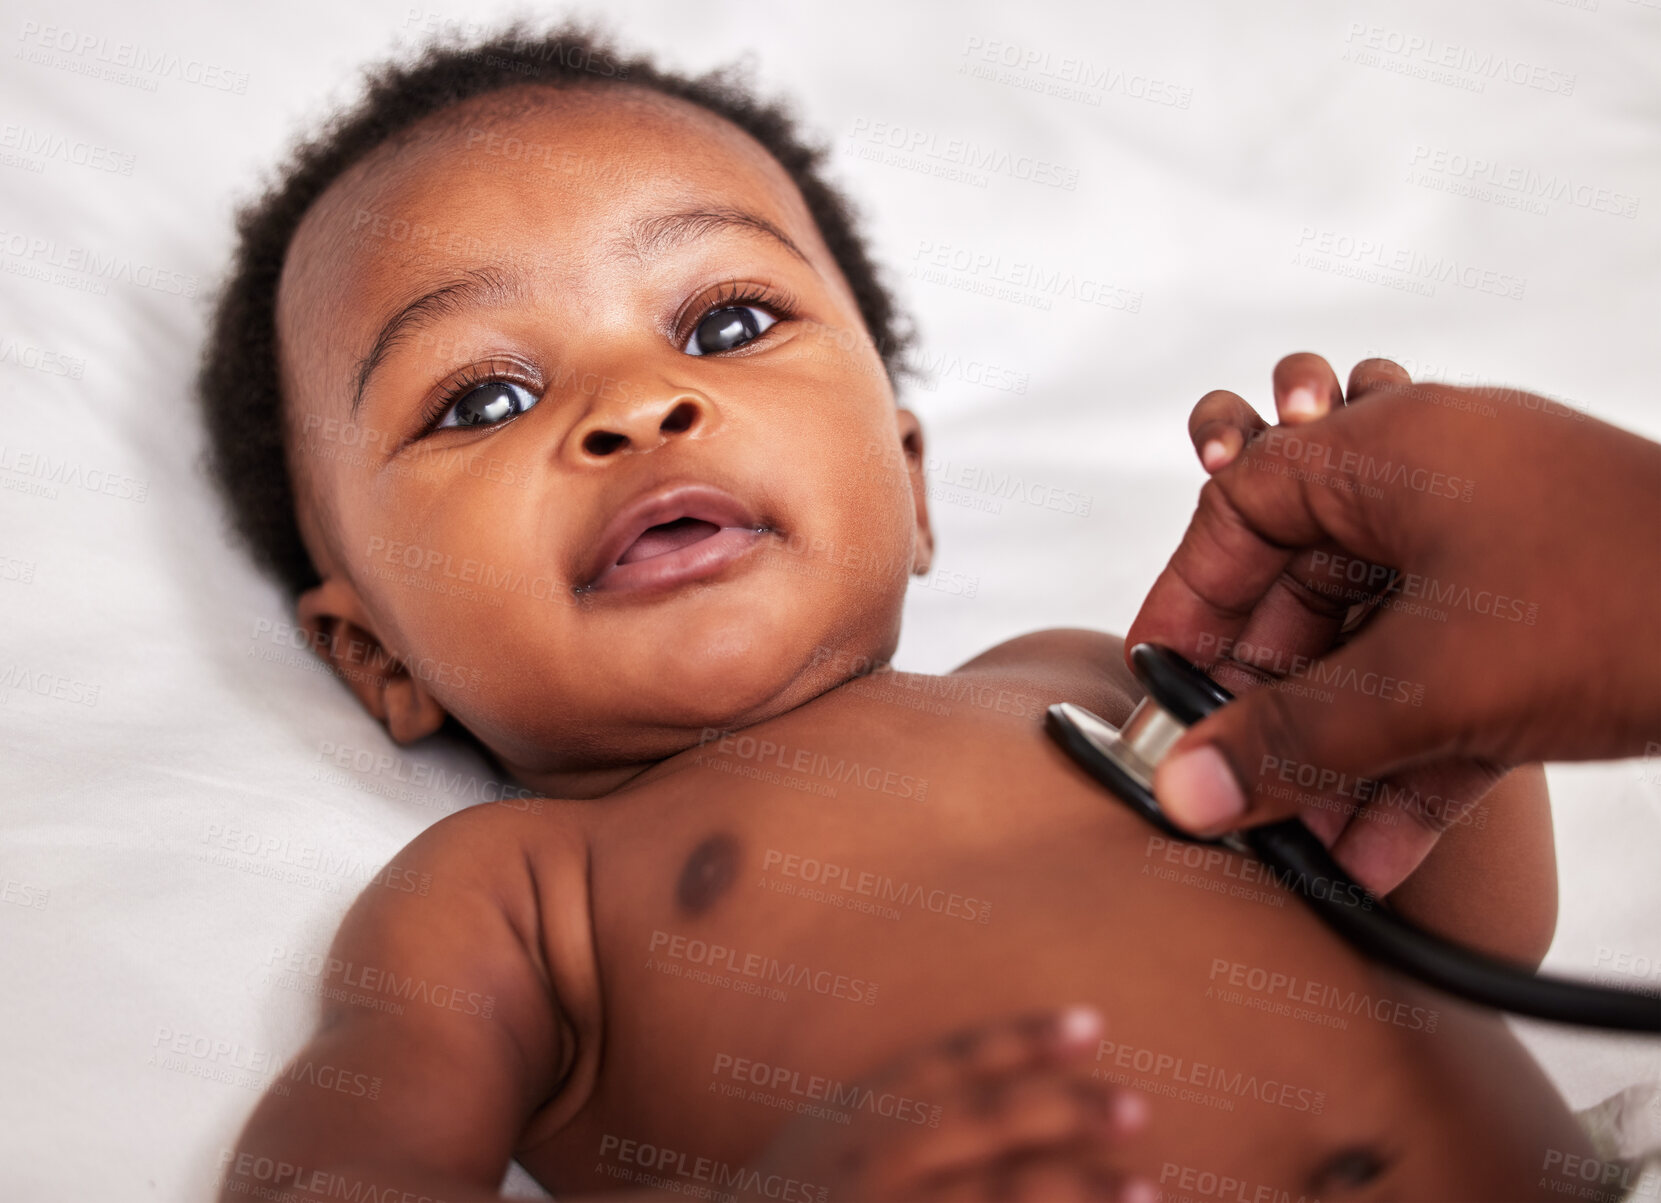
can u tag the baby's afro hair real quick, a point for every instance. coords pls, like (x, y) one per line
(238, 384)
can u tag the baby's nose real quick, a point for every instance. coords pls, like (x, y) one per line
(641, 427)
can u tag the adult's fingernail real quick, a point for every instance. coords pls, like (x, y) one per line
(1216, 454)
(1301, 402)
(1197, 789)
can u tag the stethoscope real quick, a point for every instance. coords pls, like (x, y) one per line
(1180, 695)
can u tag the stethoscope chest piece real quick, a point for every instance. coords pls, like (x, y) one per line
(1124, 758)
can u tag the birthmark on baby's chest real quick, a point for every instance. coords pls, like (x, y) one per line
(708, 874)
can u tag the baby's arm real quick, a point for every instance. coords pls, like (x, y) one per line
(1491, 880)
(439, 1036)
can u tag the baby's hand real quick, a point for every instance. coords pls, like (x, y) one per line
(1005, 1111)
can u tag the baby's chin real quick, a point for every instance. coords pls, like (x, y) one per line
(645, 714)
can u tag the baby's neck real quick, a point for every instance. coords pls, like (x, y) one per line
(591, 781)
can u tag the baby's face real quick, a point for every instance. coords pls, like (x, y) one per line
(640, 474)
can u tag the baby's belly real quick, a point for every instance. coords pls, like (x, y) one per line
(773, 927)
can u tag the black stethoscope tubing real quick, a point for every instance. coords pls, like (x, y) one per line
(1303, 863)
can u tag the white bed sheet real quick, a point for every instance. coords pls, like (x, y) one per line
(169, 783)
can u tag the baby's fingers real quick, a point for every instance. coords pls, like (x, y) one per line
(1220, 425)
(1005, 1046)
(1043, 1178)
(988, 1125)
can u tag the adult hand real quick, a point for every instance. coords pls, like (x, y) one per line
(1505, 551)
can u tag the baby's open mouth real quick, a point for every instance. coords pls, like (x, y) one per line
(666, 537)
(670, 537)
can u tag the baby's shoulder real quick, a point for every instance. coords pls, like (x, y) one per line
(492, 844)
(1072, 663)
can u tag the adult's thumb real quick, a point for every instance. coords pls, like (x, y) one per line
(1352, 714)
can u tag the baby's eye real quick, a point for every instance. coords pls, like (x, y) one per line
(727, 328)
(491, 402)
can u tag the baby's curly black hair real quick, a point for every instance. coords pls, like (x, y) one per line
(238, 383)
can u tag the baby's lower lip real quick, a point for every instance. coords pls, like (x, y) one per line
(693, 562)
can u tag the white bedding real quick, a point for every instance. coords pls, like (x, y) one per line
(175, 820)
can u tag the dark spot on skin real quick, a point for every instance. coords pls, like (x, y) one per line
(709, 871)
(1358, 1165)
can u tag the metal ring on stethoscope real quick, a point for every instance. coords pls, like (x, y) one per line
(1179, 695)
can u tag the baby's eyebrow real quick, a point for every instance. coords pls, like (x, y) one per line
(477, 286)
(661, 232)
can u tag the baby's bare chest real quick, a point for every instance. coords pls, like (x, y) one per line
(802, 904)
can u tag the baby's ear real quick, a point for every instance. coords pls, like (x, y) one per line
(339, 629)
(911, 442)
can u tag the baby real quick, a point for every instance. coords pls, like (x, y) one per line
(559, 389)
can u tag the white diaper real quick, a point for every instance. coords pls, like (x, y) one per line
(1626, 1132)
